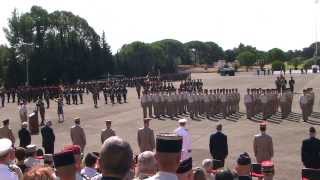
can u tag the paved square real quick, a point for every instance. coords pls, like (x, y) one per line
(127, 118)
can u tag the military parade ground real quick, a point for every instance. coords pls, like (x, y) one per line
(127, 118)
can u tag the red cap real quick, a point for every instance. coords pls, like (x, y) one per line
(74, 148)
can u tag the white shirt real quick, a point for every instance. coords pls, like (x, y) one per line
(89, 172)
(163, 176)
(6, 173)
(186, 142)
(23, 111)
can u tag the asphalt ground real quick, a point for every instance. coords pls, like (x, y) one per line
(127, 118)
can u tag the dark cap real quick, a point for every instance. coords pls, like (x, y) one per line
(312, 130)
(168, 143)
(185, 166)
(63, 159)
(244, 159)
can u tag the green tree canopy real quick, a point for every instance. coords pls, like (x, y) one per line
(247, 59)
(276, 54)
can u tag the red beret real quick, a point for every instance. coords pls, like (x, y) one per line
(74, 148)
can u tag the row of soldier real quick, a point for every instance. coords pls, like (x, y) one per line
(267, 102)
(207, 103)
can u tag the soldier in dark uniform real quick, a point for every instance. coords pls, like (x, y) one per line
(112, 93)
(118, 93)
(81, 91)
(8, 95)
(47, 97)
(13, 95)
(124, 93)
(138, 89)
(95, 97)
(291, 84)
(2, 96)
(105, 94)
(42, 110)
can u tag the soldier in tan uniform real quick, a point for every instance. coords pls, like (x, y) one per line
(304, 105)
(263, 147)
(144, 104)
(78, 135)
(108, 132)
(145, 137)
(248, 102)
(6, 132)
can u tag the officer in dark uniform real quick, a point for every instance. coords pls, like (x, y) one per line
(81, 91)
(2, 96)
(47, 97)
(48, 138)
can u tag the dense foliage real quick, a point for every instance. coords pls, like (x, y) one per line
(62, 47)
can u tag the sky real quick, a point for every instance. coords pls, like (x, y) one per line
(265, 24)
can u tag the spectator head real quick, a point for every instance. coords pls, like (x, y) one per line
(168, 151)
(6, 151)
(76, 153)
(207, 165)
(65, 165)
(31, 150)
(20, 154)
(184, 171)
(108, 123)
(90, 160)
(24, 125)
(115, 157)
(263, 127)
(312, 131)
(40, 173)
(199, 174)
(48, 123)
(48, 159)
(182, 122)
(224, 175)
(219, 127)
(147, 163)
(40, 152)
(243, 164)
(77, 121)
(5, 122)
(146, 122)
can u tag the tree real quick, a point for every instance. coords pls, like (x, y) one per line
(63, 47)
(276, 54)
(230, 55)
(277, 65)
(247, 59)
(295, 62)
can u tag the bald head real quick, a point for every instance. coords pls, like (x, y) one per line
(115, 157)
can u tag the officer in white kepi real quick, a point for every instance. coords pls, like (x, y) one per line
(186, 139)
(6, 154)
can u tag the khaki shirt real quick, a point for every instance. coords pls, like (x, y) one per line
(263, 147)
(78, 136)
(106, 133)
(6, 132)
(146, 140)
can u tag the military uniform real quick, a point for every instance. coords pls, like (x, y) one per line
(6, 172)
(78, 136)
(145, 138)
(107, 132)
(6, 132)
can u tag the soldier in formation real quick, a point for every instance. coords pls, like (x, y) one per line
(267, 102)
(306, 103)
(190, 100)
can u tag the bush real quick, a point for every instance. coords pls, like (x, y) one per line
(277, 66)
